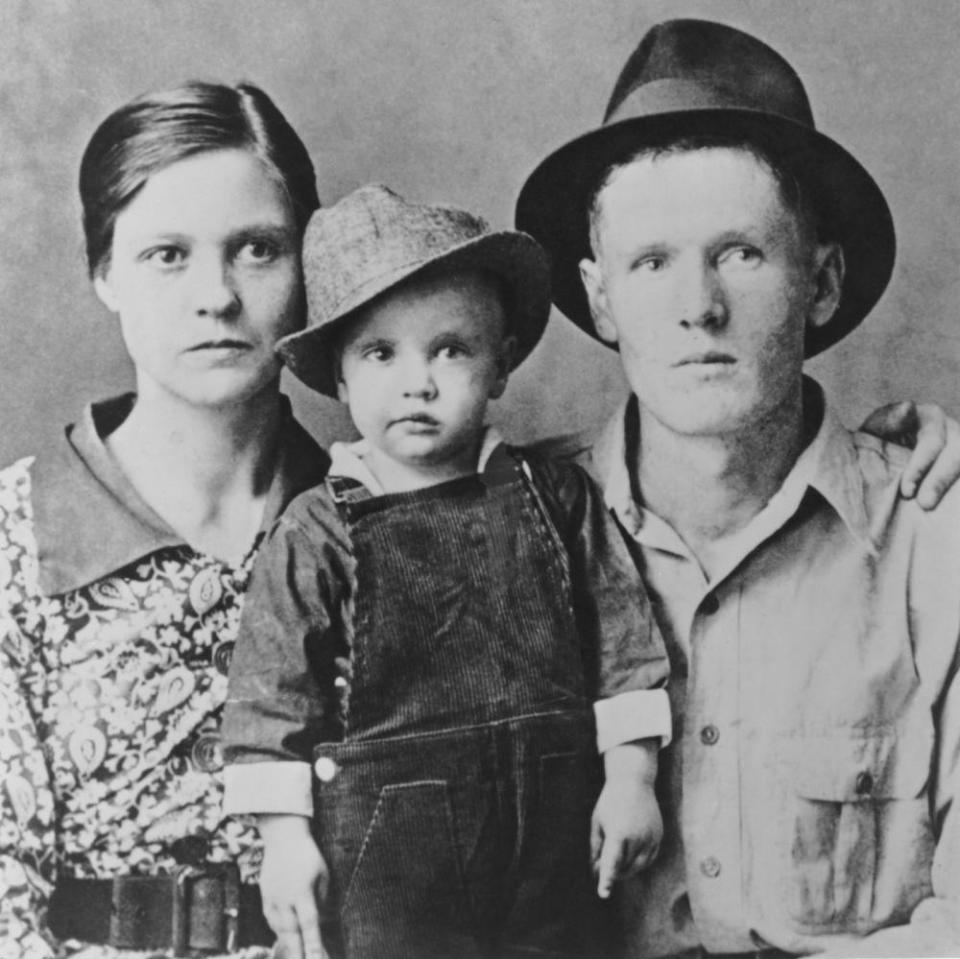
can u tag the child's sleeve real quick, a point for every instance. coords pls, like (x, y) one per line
(291, 648)
(624, 653)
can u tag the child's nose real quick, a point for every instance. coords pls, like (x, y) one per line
(418, 381)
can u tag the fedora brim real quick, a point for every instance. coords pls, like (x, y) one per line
(552, 206)
(516, 259)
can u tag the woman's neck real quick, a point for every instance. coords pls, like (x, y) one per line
(205, 471)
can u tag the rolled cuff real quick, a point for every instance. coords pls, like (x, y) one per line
(268, 788)
(637, 714)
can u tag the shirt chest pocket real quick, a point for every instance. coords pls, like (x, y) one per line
(859, 831)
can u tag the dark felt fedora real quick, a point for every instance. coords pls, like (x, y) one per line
(373, 240)
(694, 77)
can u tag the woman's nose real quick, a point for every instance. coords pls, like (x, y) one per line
(214, 290)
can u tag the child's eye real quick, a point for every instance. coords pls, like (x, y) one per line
(378, 354)
(451, 351)
(165, 257)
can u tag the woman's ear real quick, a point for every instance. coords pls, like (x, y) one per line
(829, 270)
(105, 292)
(592, 278)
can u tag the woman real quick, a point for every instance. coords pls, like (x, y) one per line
(124, 556)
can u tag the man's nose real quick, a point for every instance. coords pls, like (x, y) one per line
(214, 288)
(702, 299)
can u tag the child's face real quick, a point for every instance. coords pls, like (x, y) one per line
(418, 367)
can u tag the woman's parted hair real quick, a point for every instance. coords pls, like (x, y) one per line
(157, 129)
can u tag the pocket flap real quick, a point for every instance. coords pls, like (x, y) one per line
(858, 766)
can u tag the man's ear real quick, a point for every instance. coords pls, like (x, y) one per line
(505, 357)
(829, 270)
(104, 291)
(592, 278)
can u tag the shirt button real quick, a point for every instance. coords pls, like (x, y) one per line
(863, 784)
(709, 605)
(222, 656)
(710, 867)
(709, 735)
(325, 768)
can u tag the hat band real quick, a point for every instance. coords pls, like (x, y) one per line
(673, 95)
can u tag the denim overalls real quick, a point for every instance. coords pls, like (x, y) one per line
(454, 815)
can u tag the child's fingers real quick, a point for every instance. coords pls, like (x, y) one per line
(310, 931)
(283, 921)
(608, 868)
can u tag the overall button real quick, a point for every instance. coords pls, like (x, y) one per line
(325, 768)
(709, 605)
(709, 735)
(206, 754)
(710, 867)
(863, 784)
(222, 656)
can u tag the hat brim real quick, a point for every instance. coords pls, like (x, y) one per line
(552, 205)
(513, 257)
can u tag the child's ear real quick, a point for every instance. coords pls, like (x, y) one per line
(505, 357)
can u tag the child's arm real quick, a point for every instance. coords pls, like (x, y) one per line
(627, 828)
(293, 879)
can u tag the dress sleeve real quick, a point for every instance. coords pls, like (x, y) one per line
(27, 833)
(288, 673)
(623, 649)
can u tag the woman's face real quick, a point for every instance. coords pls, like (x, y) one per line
(204, 274)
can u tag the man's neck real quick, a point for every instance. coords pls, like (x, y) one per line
(708, 488)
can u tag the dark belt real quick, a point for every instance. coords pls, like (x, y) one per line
(194, 910)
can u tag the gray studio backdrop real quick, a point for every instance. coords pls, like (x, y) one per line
(456, 100)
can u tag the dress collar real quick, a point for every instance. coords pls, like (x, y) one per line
(89, 521)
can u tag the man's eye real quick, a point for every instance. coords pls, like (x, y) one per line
(451, 351)
(378, 354)
(650, 264)
(746, 255)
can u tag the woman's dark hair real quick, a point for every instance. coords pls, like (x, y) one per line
(157, 129)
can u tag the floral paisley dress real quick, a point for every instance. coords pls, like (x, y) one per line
(115, 638)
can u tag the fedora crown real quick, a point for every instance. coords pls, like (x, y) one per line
(696, 65)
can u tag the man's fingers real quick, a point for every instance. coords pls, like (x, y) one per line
(896, 422)
(945, 471)
(596, 841)
(931, 440)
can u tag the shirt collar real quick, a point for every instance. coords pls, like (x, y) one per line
(89, 521)
(348, 460)
(828, 465)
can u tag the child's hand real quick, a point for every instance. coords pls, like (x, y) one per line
(293, 881)
(627, 827)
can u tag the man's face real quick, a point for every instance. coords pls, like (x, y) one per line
(705, 280)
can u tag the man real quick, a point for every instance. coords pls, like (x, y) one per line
(709, 232)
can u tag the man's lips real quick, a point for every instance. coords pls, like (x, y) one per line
(707, 358)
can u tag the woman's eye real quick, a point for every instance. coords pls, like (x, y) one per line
(166, 256)
(258, 251)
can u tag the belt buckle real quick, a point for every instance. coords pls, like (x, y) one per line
(183, 880)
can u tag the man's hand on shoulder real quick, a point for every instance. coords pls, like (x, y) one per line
(934, 438)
